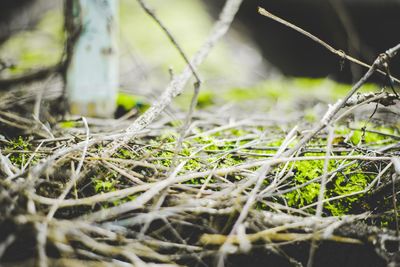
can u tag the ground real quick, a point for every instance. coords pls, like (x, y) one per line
(258, 174)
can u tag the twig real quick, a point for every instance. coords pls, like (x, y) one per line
(334, 109)
(321, 196)
(176, 86)
(153, 15)
(215, 239)
(74, 177)
(396, 175)
(354, 43)
(365, 190)
(197, 84)
(42, 166)
(340, 53)
(42, 260)
(110, 196)
(6, 166)
(31, 157)
(188, 119)
(258, 179)
(383, 98)
(42, 228)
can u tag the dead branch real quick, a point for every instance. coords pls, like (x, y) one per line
(339, 53)
(177, 84)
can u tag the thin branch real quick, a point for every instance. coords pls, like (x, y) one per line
(197, 84)
(74, 177)
(113, 195)
(337, 52)
(258, 179)
(153, 15)
(321, 197)
(177, 85)
(334, 109)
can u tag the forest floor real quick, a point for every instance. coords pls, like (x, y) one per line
(231, 187)
(283, 173)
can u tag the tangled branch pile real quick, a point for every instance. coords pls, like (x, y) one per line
(228, 190)
(233, 186)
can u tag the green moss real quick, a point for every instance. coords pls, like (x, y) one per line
(126, 154)
(129, 101)
(304, 172)
(292, 89)
(308, 83)
(239, 132)
(107, 184)
(268, 90)
(67, 124)
(217, 150)
(104, 185)
(168, 136)
(331, 89)
(310, 116)
(350, 180)
(373, 134)
(20, 145)
(301, 91)
(206, 98)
